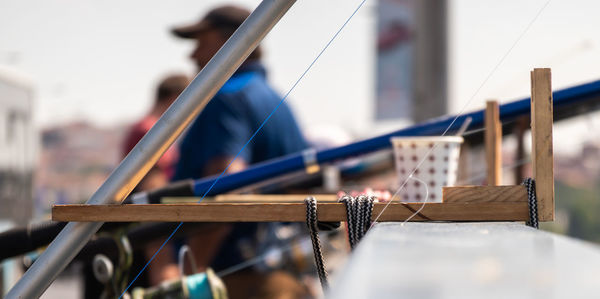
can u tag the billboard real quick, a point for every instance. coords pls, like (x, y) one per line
(395, 51)
(411, 60)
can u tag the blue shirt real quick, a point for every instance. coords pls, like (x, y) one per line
(229, 120)
(221, 130)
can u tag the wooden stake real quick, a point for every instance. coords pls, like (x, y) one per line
(541, 134)
(521, 126)
(493, 143)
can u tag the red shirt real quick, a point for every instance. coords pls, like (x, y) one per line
(167, 162)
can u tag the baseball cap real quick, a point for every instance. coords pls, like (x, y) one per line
(228, 16)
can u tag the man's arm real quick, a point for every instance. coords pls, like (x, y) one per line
(218, 164)
(216, 136)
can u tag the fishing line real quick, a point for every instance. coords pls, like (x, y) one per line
(461, 112)
(482, 129)
(183, 252)
(253, 135)
(424, 202)
(277, 250)
(483, 174)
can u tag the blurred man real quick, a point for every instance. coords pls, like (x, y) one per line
(219, 133)
(164, 266)
(167, 91)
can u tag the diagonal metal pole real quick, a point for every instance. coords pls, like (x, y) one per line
(145, 154)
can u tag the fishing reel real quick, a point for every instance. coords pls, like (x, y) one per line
(203, 285)
(114, 278)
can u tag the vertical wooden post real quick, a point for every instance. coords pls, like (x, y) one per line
(493, 143)
(521, 126)
(541, 134)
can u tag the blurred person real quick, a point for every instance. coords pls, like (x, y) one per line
(215, 138)
(167, 91)
(164, 266)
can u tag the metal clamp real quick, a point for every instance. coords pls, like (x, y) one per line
(311, 165)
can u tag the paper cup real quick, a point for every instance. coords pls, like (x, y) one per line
(439, 156)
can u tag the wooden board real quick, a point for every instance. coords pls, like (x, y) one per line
(493, 143)
(484, 194)
(290, 212)
(465, 194)
(541, 134)
(470, 203)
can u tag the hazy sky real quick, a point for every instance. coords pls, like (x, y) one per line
(100, 60)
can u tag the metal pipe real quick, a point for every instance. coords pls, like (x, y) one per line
(145, 154)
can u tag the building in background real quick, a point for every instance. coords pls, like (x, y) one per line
(75, 159)
(18, 149)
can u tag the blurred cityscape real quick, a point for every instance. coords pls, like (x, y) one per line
(74, 161)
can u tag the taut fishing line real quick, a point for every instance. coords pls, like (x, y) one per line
(483, 174)
(424, 202)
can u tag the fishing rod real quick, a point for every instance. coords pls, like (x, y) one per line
(23, 240)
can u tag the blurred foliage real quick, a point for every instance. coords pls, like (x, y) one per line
(577, 211)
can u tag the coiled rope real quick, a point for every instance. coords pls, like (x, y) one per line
(313, 229)
(359, 213)
(532, 202)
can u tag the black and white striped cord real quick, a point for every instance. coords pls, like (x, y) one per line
(313, 229)
(359, 213)
(532, 201)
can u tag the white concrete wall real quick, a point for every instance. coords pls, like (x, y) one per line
(18, 149)
(18, 137)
